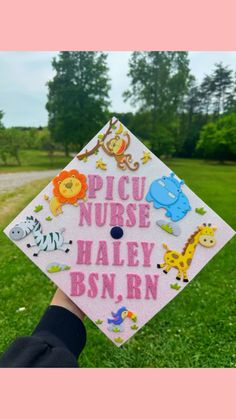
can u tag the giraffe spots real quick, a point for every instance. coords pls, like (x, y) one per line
(189, 261)
(175, 256)
(181, 264)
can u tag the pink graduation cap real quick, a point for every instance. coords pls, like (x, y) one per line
(119, 232)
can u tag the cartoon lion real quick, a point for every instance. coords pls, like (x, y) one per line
(69, 186)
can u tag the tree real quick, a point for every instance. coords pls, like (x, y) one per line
(206, 95)
(205, 103)
(11, 141)
(216, 91)
(218, 139)
(77, 97)
(222, 82)
(159, 82)
(191, 121)
(231, 99)
(1, 117)
(47, 144)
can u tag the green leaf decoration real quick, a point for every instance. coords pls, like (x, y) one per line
(116, 329)
(48, 218)
(54, 268)
(98, 321)
(113, 126)
(101, 136)
(118, 340)
(175, 287)
(38, 208)
(95, 152)
(200, 211)
(167, 228)
(134, 327)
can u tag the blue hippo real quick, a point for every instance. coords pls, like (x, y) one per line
(166, 193)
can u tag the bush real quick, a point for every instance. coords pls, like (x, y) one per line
(11, 141)
(218, 139)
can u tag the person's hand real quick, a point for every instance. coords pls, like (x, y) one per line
(61, 299)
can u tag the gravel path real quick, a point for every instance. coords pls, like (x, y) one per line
(9, 181)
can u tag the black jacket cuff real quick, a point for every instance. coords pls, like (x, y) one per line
(65, 326)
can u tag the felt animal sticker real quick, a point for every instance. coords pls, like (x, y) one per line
(116, 323)
(115, 147)
(44, 242)
(204, 235)
(69, 187)
(166, 192)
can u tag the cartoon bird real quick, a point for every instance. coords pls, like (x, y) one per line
(121, 315)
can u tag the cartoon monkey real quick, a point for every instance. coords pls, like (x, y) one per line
(116, 147)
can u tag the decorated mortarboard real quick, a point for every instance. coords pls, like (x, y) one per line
(119, 232)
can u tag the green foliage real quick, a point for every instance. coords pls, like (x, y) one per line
(221, 87)
(34, 160)
(218, 139)
(48, 218)
(1, 117)
(48, 145)
(172, 107)
(158, 83)
(11, 141)
(78, 97)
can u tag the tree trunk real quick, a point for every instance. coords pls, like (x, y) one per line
(17, 157)
(66, 149)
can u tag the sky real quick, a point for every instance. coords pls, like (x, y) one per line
(23, 78)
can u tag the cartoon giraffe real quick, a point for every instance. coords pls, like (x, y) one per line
(181, 261)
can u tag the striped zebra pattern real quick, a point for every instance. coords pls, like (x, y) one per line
(44, 242)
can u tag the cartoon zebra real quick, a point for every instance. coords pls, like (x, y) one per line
(45, 242)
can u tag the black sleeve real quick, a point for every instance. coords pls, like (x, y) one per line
(57, 341)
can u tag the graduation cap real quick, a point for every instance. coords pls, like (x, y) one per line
(119, 232)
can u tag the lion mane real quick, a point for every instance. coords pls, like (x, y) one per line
(68, 174)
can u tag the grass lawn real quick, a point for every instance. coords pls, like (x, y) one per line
(197, 329)
(35, 160)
